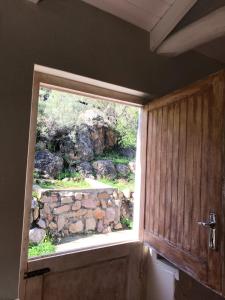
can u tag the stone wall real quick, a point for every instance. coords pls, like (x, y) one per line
(68, 212)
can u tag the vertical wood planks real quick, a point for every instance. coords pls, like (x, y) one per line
(185, 177)
(175, 168)
(162, 190)
(181, 171)
(157, 172)
(197, 154)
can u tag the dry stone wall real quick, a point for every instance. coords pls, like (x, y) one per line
(68, 212)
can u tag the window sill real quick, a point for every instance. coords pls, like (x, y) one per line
(93, 242)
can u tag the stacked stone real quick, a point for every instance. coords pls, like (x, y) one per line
(66, 213)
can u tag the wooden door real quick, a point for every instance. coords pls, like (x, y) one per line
(184, 174)
(111, 273)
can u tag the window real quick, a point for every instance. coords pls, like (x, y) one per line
(83, 181)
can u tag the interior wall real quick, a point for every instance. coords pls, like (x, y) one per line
(165, 281)
(75, 37)
(187, 288)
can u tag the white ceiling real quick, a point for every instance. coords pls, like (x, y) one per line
(142, 13)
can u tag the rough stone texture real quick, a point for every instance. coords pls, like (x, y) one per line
(41, 223)
(52, 226)
(36, 235)
(90, 224)
(97, 210)
(35, 213)
(99, 214)
(40, 146)
(132, 166)
(85, 168)
(110, 214)
(66, 200)
(89, 203)
(61, 209)
(84, 146)
(78, 196)
(118, 226)
(103, 203)
(60, 222)
(100, 226)
(104, 168)
(122, 170)
(76, 227)
(103, 195)
(80, 213)
(77, 205)
(107, 229)
(49, 163)
(128, 152)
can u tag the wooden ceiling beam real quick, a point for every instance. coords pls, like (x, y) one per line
(204, 30)
(169, 21)
(35, 1)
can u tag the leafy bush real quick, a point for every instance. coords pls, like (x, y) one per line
(127, 126)
(68, 174)
(127, 222)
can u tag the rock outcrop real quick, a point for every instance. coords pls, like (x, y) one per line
(49, 163)
(104, 168)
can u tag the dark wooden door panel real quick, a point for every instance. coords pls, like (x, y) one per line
(184, 177)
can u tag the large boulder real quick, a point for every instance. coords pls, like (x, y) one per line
(67, 148)
(104, 169)
(85, 169)
(47, 162)
(84, 146)
(111, 138)
(123, 170)
(128, 152)
(98, 139)
(36, 235)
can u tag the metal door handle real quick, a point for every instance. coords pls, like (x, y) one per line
(211, 225)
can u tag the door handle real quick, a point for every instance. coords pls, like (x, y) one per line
(211, 225)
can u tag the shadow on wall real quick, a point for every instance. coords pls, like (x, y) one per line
(189, 289)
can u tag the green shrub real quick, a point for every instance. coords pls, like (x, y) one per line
(127, 222)
(69, 174)
(44, 248)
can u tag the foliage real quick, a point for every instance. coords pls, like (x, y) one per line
(60, 112)
(127, 222)
(44, 248)
(70, 174)
(127, 126)
(35, 195)
(114, 156)
(60, 184)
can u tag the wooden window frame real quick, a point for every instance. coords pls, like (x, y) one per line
(79, 85)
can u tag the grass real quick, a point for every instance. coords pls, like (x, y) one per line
(44, 248)
(114, 157)
(59, 184)
(120, 184)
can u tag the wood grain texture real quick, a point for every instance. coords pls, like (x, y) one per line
(106, 273)
(184, 182)
(106, 280)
